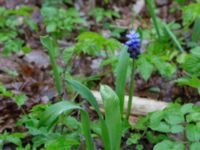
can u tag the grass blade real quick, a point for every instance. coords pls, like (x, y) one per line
(121, 74)
(150, 6)
(112, 116)
(48, 43)
(173, 37)
(53, 112)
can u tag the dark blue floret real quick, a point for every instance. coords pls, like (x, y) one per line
(133, 44)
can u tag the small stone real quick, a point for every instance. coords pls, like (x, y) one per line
(39, 58)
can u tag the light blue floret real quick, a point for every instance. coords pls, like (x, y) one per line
(133, 35)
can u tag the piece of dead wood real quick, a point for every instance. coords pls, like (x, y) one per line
(139, 5)
(140, 106)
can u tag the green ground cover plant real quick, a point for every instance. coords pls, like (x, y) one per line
(11, 20)
(163, 127)
(74, 119)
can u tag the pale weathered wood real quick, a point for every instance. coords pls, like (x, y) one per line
(140, 106)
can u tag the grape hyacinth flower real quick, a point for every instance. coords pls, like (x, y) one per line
(134, 51)
(133, 44)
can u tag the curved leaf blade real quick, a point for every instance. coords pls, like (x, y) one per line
(54, 111)
(121, 74)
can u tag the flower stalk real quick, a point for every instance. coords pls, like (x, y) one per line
(131, 89)
(134, 51)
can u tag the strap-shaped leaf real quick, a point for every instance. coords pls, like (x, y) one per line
(195, 30)
(48, 43)
(54, 111)
(173, 37)
(112, 116)
(85, 93)
(151, 9)
(121, 74)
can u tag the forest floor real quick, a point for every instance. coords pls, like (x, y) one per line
(31, 73)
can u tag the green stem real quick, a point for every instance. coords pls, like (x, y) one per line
(131, 90)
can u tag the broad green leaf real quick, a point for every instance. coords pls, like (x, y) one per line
(192, 132)
(175, 117)
(195, 146)
(192, 62)
(93, 43)
(59, 21)
(181, 58)
(193, 117)
(51, 27)
(173, 114)
(142, 123)
(187, 108)
(193, 81)
(26, 49)
(156, 117)
(99, 13)
(166, 69)
(190, 13)
(68, 54)
(155, 138)
(54, 111)
(113, 120)
(169, 145)
(145, 68)
(61, 143)
(72, 123)
(134, 139)
(156, 122)
(90, 43)
(195, 51)
(121, 74)
(139, 147)
(161, 127)
(177, 129)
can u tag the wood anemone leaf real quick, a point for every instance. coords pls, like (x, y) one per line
(54, 111)
(87, 94)
(169, 145)
(112, 116)
(192, 63)
(121, 74)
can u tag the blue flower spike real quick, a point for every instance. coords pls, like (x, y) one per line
(133, 44)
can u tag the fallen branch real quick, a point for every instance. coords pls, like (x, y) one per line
(140, 106)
